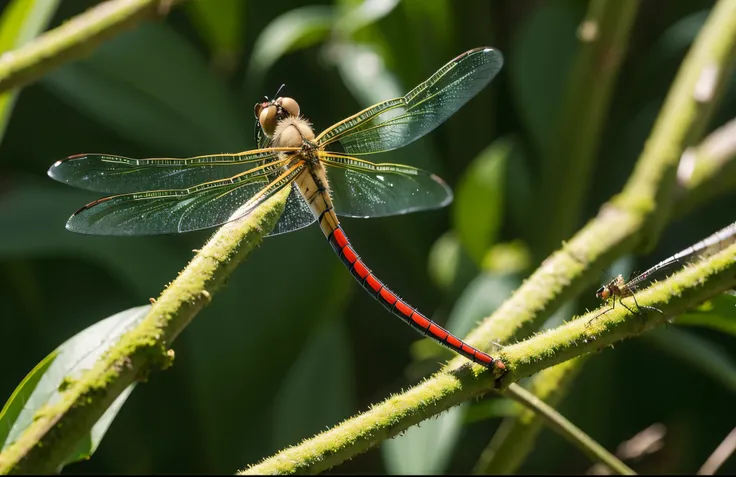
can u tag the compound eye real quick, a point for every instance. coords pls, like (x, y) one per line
(267, 119)
(257, 109)
(290, 106)
(602, 292)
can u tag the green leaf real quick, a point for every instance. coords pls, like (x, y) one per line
(437, 13)
(66, 363)
(21, 395)
(718, 313)
(369, 80)
(21, 21)
(295, 29)
(702, 355)
(539, 66)
(479, 203)
(152, 87)
(32, 218)
(303, 407)
(445, 258)
(361, 15)
(481, 298)
(426, 448)
(520, 191)
(492, 409)
(221, 24)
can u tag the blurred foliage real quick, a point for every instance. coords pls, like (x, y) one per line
(313, 349)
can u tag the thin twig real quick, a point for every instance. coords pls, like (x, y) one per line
(708, 170)
(720, 455)
(568, 430)
(75, 38)
(515, 438)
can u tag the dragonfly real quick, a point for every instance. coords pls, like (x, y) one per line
(620, 288)
(169, 195)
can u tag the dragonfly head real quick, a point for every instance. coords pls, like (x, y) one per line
(269, 113)
(604, 293)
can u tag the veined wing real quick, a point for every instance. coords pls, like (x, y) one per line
(296, 215)
(363, 189)
(397, 122)
(181, 210)
(117, 174)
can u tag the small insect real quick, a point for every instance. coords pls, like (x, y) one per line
(619, 288)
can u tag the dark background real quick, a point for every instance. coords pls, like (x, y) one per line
(291, 345)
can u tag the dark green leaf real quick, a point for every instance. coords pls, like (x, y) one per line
(66, 363)
(21, 395)
(702, 355)
(295, 29)
(221, 24)
(539, 64)
(718, 313)
(424, 449)
(479, 203)
(152, 87)
(32, 218)
(318, 390)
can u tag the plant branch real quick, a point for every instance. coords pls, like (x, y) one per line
(724, 450)
(447, 388)
(617, 229)
(515, 438)
(706, 172)
(57, 428)
(688, 108)
(567, 429)
(75, 38)
(709, 169)
(621, 224)
(603, 40)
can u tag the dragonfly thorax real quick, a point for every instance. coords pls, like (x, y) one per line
(292, 131)
(616, 287)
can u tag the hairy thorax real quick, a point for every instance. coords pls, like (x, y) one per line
(292, 131)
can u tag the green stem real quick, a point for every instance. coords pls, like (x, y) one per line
(567, 429)
(656, 166)
(687, 110)
(450, 387)
(515, 438)
(604, 37)
(622, 223)
(57, 429)
(561, 277)
(75, 38)
(714, 173)
(709, 170)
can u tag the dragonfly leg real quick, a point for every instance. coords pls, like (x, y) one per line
(638, 312)
(602, 312)
(644, 307)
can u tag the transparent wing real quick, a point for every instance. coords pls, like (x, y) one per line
(397, 122)
(363, 189)
(296, 215)
(117, 174)
(182, 210)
